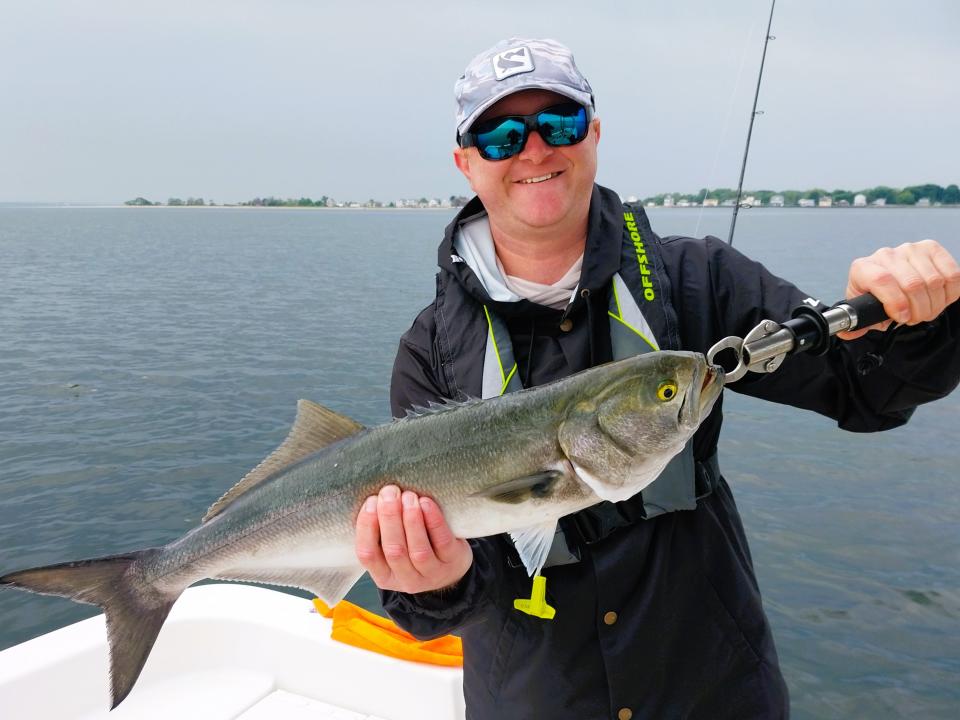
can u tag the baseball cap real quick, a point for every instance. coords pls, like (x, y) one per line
(513, 65)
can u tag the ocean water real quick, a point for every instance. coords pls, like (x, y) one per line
(150, 357)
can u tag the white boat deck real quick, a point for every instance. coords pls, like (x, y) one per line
(225, 652)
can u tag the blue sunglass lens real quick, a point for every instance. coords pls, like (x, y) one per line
(563, 128)
(504, 140)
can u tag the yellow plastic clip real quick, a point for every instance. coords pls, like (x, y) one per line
(536, 605)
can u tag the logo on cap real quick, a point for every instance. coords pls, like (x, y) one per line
(512, 62)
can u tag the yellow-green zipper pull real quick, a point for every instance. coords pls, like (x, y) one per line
(536, 605)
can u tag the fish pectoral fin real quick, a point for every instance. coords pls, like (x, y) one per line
(533, 544)
(537, 485)
(330, 584)
(314, 428)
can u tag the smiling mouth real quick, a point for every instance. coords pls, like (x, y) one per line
(540, 179)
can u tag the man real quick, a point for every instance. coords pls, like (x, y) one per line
(658, 610)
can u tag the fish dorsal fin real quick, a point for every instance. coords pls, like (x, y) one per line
(315, 428)
(432, 407)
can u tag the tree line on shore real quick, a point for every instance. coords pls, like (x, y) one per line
(306, 202)
(911, 195)
(173, 202)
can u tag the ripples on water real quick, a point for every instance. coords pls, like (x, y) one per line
(150, 357)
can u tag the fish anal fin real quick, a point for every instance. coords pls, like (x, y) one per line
(533, 544)
(314, 428)
(329, 584)
(517, 490)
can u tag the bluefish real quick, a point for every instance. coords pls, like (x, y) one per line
(513, 464)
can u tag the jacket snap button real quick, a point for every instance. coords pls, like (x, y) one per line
(624, 714)
(566, 325)
(610, 618)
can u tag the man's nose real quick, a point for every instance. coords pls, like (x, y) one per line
(536, 150)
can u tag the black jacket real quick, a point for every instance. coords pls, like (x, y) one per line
(689, 637)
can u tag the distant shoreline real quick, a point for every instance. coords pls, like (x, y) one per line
(121, 206)
(726, 210)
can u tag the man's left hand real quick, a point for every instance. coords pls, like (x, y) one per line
(914, 281)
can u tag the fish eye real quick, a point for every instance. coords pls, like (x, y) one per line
(667, 391)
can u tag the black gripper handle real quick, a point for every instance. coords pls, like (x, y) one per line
(869, 310)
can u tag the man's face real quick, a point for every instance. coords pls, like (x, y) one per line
(514, 203)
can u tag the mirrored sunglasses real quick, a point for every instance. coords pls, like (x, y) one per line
(503, 137)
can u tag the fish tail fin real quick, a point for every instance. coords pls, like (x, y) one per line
(135, 611)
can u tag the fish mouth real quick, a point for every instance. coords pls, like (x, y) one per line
(704, 390)
(711, 387)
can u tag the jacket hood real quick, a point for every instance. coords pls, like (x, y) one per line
(601, 257)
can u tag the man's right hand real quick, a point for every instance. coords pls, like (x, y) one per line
(405, 544)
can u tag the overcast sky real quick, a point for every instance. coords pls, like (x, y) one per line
(229, 99)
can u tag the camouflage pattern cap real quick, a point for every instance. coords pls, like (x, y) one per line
(513, 65)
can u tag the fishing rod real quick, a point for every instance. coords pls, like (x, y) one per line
(753, 116)
(809, 330)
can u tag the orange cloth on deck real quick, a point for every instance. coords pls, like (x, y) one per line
(363, 629)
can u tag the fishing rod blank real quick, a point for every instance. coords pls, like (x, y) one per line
(753, 116)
